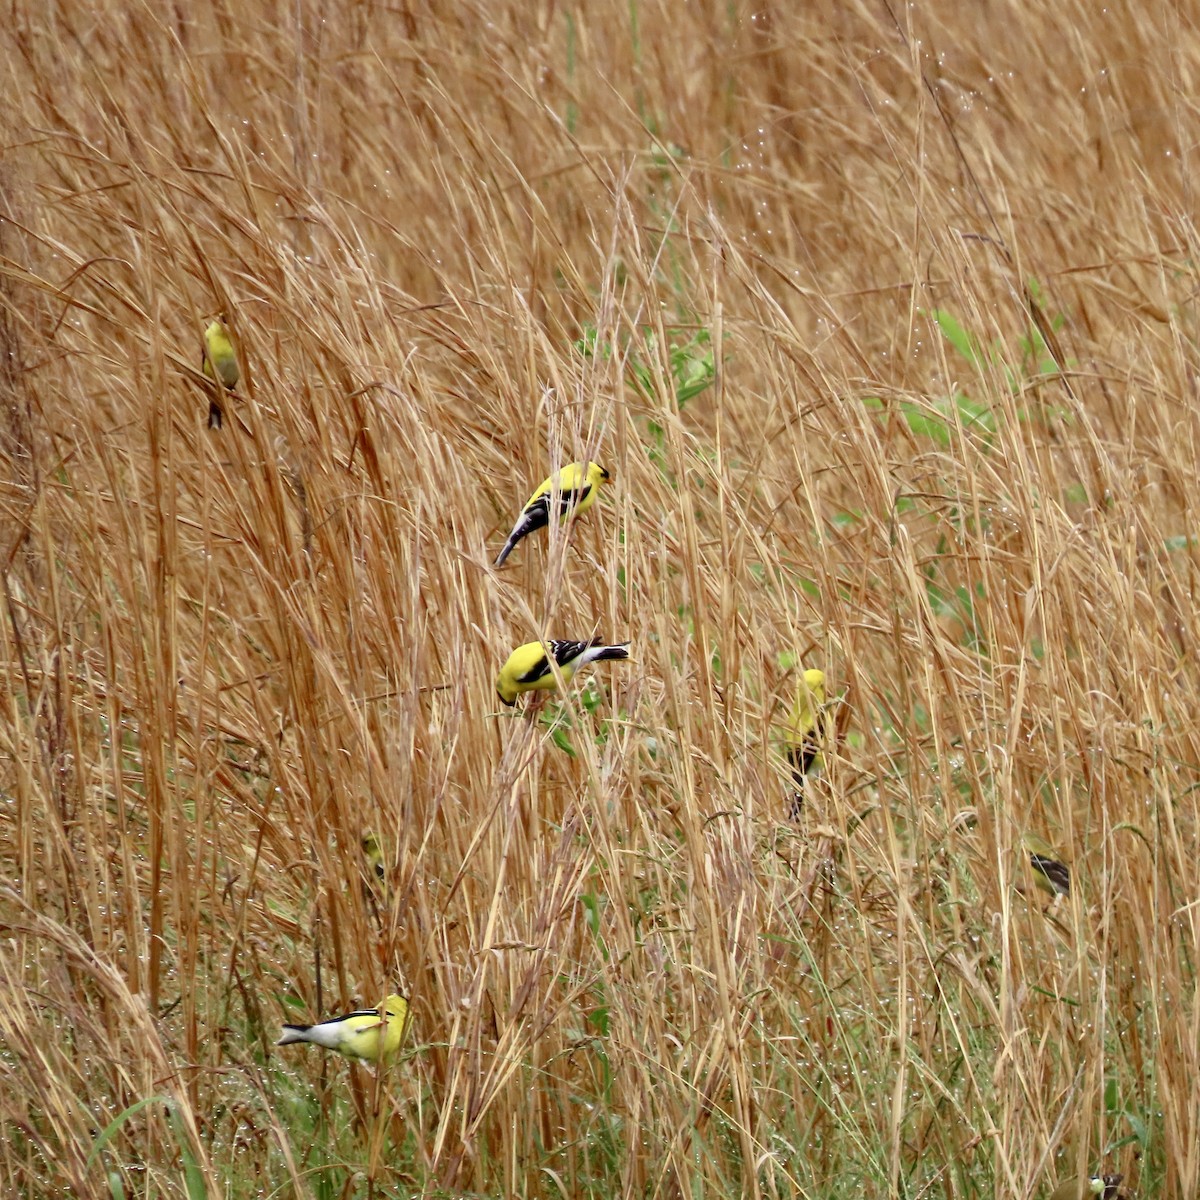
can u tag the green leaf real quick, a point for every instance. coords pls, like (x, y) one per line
(585, 345)
(972, 413)
(598, 1020)
(1138, 1128)
(642, 378)
(958, 337)
(192, 1175)
(924, 425)
(591, 912)
(110, 1130)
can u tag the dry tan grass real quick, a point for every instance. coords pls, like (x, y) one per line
(228, 655)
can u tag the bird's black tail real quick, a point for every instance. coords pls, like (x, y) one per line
(215, 414)
(513, 539)
(621, 651)
(536, 516)
(293, 1033)
(800, 758)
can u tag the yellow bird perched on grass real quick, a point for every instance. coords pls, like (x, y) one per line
(1049, 873)
(528, 668)
(576, 485)
(1107, 1187)
(373, 852)
(369, 1034)
(218, 360)
(803, 733)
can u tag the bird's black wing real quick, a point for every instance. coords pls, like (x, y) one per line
(568, 500)
(358, 1012)
(535, 515)
(1057, 873)
(215, 411)
(565, 652)
(539, 670)
(800, 759)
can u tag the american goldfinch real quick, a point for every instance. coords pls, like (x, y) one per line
(577, 486)
(803, 733)
(373, 852)
(1051, 875)
(528, 669)
(357, 1034)
(1085, 1187)
(219, 362)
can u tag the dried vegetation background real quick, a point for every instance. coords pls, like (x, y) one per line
(883, 320)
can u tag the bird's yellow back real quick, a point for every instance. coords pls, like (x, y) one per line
(220, 359)
(573, 478)
(1050, 873)
(373, 851)
(362, 1038)
(523, 660)
(810, 697)
(396, 1008)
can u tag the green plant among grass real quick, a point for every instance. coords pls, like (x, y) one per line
(938, 419)
(689, 359)
(558, 721)
(193, 1182)
(1034, 362)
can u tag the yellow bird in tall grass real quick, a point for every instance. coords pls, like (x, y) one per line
(373, 852)
(804, 732)
(528, 668)
(1049, 872)
(368, 1034)
(218, 360)
(1107, 1187)
(572, 489)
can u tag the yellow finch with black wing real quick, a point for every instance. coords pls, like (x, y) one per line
(1049, 872)
(804, 732)
(373, 852)
(219, 362)
(1107, 1187)
(369, 1034)
(572, 489)
(528, 668)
